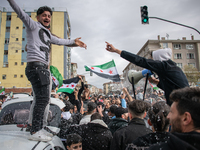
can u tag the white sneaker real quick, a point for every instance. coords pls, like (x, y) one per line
(40, 136)
(47, 133)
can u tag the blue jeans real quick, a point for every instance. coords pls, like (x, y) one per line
(39, 76)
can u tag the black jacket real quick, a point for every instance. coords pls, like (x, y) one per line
(144, 142)
(125, 135)
(95, 135)
(117, 123)
(171, 76)
(182, 141)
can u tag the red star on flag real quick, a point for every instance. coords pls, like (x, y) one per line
(111, 72)
(67, 85)
(2, 93)
(92, 67)
(62, 86)
(72, 85)
(101, 70)
(54, 79)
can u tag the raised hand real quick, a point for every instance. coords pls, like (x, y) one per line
(79, 43)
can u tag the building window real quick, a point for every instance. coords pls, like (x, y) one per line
(22, 63)
(15, 63)
(21, 76)
(7, 40)
(165, 45)
(191, 64)
(189, 46)
(23, 39)
(177, 56)
(16, 51)
(16, 39)
(179, 65)
(3, 76)
(7, 29)
(190, 55)
(15, 76)
(17, 27)
(177, 46)
(8, 17)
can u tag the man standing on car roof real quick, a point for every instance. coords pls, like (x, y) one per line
(39, 39)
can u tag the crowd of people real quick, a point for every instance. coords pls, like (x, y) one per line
(168, 120)
(122, 122)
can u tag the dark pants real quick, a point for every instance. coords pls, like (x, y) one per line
(39, 76)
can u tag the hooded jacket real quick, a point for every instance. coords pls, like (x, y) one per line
(117, 123)
(182, 141)
(95, 135)
(171, 76)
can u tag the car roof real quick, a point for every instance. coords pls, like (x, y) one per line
(54, 101)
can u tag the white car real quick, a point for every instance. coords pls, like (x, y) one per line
(13, 118)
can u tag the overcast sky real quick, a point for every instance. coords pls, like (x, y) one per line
(119, 22)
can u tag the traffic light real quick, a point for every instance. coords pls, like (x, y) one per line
(144, 14)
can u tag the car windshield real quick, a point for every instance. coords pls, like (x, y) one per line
(17, 113)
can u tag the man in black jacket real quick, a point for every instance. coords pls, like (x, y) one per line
(95, 135)
(170, 76)
(136, 128)
(119, 121)
(185, 121)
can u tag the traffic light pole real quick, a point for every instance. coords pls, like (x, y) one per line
(175, 23)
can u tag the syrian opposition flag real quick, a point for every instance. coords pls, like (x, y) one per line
(2, 91)
(154, 87)
(107, 70)
(56, 76)
(69, 85)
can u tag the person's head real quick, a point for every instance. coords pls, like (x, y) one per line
(121, 112)
(118, 102)
(184, 113)
(162, 54)
(108, 105)
(102, 104)
(44, 14)
(85, 86)
(112, 109)
(96, 116)
(91, 106)
(137, 109)
(158, 116)
(74, 142)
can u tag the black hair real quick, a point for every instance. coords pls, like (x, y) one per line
(73, 139)
(95, 116)
(85, 85)
(137, 107)
(91, 106)
(188, 100)
(158, 116)
(119, 111)
(102, 104)
(42, 9)
(113, 108)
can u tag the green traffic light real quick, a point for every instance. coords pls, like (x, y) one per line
(145, 20)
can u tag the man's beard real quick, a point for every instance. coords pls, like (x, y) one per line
(176, 126)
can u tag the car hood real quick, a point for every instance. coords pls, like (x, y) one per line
(11, 139)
